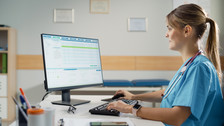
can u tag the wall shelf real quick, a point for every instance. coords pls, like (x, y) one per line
(7, 74)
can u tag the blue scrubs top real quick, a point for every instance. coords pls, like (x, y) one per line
(199, 89)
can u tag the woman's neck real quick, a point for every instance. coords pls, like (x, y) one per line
(189, 51)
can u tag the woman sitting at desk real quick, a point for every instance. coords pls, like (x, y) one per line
(193, 97)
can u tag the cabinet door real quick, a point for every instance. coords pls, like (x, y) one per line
(3, 85)
(3, 108)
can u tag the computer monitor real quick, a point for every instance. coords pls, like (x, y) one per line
(70, 63)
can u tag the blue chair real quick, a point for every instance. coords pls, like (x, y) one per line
(150, 82)
(117, 83)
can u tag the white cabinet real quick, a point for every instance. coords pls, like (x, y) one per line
(3, 108)
(3, 85)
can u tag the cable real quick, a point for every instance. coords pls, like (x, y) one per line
(48, 92)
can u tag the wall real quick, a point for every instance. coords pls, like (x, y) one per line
(33, 17)
(218, 16)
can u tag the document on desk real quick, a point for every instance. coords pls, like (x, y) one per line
(86, 121)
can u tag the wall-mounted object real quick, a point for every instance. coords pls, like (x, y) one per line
(137, 24)
(99, 6)
(64, 15)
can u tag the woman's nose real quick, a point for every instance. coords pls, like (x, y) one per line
(167, 35)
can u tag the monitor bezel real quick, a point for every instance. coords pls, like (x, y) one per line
(68, 87)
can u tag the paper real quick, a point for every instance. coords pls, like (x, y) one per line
(64, 15)
(99, 6)
(3, 85)
(3, 108)
(137, 24)
(86, 121)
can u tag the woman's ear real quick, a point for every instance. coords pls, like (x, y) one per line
(187, 30)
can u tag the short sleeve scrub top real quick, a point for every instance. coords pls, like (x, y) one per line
(198, 88)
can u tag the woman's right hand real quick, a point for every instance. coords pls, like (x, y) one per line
(127, 94)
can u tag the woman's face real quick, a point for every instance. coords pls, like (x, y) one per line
(176, 38)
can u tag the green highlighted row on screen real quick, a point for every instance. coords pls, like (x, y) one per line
(79, 47)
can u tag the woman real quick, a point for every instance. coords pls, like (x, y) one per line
(193, 97)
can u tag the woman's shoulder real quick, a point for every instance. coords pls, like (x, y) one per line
(201, 58)
(202, 62)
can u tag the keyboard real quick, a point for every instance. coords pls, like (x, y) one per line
(102, 109)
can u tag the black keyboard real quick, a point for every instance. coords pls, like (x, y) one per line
(102, 109)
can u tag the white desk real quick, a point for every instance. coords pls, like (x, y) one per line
(104, 90)
(83, 110)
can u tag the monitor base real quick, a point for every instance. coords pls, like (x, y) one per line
(72, 102)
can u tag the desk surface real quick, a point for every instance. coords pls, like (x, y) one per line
(83, 110)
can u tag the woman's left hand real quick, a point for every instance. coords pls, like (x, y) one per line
(120, 106)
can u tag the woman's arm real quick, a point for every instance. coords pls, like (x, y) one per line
(151, 96)
(172, 116)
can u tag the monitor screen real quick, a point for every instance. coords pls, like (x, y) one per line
(71, 62)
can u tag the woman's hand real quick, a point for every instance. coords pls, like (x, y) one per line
(127, 94)
(120, 106)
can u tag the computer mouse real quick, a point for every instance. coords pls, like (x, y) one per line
(117, 96)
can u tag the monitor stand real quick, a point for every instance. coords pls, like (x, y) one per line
(66, 100)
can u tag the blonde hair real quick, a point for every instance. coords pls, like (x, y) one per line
(193, 15)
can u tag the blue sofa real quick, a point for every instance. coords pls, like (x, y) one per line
(136, 83)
